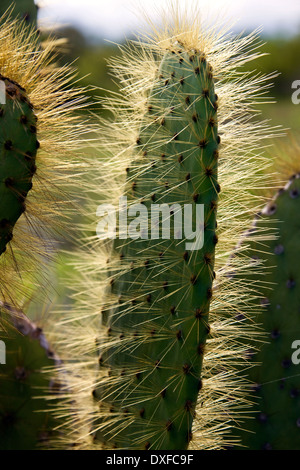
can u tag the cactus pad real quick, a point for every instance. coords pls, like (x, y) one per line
(157, 310)
(275, 419)
(18, 144)
(25, 419)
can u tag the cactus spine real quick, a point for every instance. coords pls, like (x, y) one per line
(274, 377)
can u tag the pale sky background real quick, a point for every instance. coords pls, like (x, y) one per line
(114, 19)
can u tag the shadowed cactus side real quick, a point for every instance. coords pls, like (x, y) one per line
(26, 421)
(274, 422)
(167, 354)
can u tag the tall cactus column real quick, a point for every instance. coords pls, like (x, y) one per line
(181, 138)
(157, 312)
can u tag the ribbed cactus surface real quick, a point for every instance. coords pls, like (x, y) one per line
(157, 310)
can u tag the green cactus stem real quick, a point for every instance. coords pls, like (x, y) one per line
(274, 375)
(181, 129)
(26, 422)
(157, 322)
(18, 149)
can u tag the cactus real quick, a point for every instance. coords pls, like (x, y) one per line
(26, 421)
(178, 137)
(182, 135)
(168, 317)
(23, 9)
(39, 131)
(17, 159)
(274, 378)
